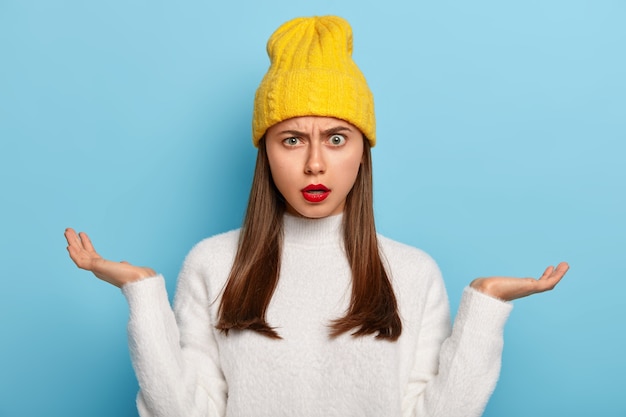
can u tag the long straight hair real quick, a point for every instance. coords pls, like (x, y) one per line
(253, 278)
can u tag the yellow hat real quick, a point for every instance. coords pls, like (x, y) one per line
(312, 74)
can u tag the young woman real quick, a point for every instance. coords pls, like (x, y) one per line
(306, 311)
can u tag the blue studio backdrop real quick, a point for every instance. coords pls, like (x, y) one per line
(501, 143)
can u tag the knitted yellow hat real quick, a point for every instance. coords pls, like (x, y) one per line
(312, 74)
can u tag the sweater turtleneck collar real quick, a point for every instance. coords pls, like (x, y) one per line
(316, 232)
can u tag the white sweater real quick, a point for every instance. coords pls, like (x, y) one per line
(187, 368)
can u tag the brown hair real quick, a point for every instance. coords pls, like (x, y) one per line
(373, 308)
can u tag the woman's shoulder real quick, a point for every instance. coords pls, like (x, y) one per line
(218, 240)
(395, 249)
(218, 247)
(407, 262)
(206, 267)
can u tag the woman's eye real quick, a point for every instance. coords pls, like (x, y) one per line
(337, 140)
(291, 141)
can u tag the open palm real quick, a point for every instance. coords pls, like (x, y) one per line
(509, 288)
(85, 257)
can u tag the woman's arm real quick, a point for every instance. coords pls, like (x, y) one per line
(174, 355)
(455, 372)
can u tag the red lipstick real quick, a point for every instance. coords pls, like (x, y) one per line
(315, 193)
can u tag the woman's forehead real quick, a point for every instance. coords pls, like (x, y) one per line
(311, 122)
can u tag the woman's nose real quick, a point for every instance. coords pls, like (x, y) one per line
(315, 161)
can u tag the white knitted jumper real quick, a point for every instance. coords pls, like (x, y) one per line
(187, 368)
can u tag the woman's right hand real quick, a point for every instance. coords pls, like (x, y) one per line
(85, 257)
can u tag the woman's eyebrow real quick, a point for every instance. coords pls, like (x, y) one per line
(337, 129)
(330, 131)
(292, 132)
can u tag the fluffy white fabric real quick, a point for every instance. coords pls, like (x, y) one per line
(187, 368)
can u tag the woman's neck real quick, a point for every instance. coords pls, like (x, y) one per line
(303, 230)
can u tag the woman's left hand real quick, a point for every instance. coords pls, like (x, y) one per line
(508, 288)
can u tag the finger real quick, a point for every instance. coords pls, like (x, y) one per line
(562, 268)
(74, 245)
(555, 276)
(68, 233)
(72, 238)
(77, 255)
(547, 272)
(86, 242)
(560, 271)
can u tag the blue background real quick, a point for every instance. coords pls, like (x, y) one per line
(501, 131)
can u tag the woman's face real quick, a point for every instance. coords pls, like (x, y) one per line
(314, 162)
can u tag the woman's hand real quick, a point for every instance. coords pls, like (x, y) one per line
(508, 289)
(85, 257)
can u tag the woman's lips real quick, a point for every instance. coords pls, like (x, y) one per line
(315, 193)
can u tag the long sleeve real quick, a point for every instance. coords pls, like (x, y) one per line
(186, 368)
(174, 355)
(455, 373)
